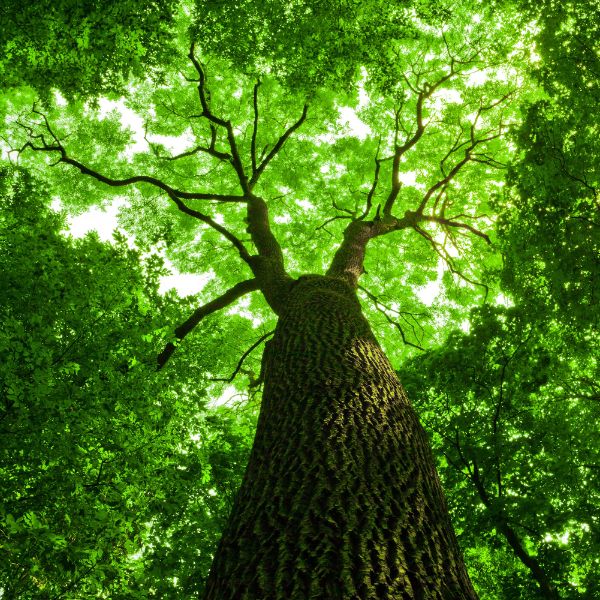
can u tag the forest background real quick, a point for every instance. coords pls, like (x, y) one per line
(117, 478)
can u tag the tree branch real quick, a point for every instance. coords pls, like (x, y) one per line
(244, 254)
(254, 127)
(278, 146)
(230, 296)
(423, 94)
(382, 308)
(443, 254)
(452, 223)
(173, 192)
(240, 363)
(373, 185)
(225, 124)
(210, 149)
(268, 266)
(513, 539)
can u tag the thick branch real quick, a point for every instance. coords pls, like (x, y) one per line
(230, 296)
(268, 267)
(260, 230)
(196, 150)
(348, 259)
(173, 192)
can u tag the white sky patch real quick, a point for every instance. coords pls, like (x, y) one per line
(363, 97)
(444, 97)
(563, 539)
(5, 152)
(186, 284)
(305, 204)
(428, 293)
(241, 309)
(176, 144)
(476, 78)
(129, 119)
(503, 300)
(103, 220)
(409, 178)
(59, 99)
(281, 219)
(228, 394)
(348, 118)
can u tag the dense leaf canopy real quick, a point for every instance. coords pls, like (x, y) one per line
(465, 136)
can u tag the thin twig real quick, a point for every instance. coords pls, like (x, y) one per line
(240, 363)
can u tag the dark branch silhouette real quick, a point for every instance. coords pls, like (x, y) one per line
(383, 309)
(278, 146)
(230, 296)
(244, 356)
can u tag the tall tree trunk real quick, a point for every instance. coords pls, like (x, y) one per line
(341, 499)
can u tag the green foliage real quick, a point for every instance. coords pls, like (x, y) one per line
(98, 452)
(514, 412)
(87, 48)
(116, 480)
(549, 219)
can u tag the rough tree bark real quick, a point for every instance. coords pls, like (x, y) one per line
(341, 499)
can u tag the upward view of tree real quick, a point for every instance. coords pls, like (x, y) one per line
(369, 189)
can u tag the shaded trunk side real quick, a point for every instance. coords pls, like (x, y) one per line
(341, 499)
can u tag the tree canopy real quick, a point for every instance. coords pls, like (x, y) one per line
(461, 138)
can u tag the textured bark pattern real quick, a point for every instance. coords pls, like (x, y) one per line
(341, 499)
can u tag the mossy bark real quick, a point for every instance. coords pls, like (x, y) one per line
(341, 499)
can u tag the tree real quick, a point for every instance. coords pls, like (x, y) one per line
(510, 405)
(89, 431)
(83, 48)
(506, 399)
(340, 497)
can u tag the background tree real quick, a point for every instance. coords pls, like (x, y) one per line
(437, 91)
(532, 368)
(96, 448)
